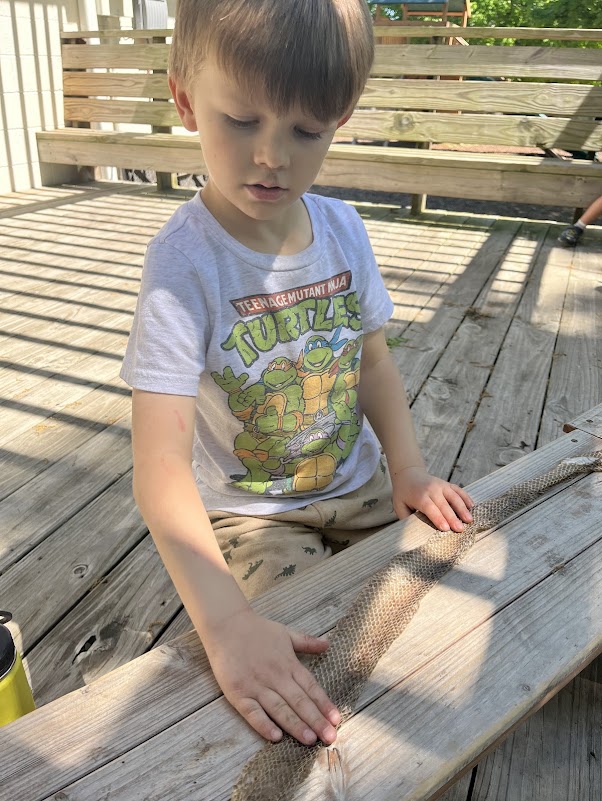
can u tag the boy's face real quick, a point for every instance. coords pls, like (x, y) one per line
(258, 163)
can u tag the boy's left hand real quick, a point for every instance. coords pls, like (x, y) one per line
(446, 505)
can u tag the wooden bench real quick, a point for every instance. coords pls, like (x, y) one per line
(417, 95)
(522, 616)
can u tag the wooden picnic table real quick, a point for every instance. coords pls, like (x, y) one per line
(490, 644)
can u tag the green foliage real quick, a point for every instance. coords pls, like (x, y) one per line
(536, 13)
(525, 13)
(528, 14)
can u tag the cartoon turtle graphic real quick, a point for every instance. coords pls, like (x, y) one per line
(317, 380)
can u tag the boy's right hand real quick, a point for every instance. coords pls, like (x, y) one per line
(254, 662)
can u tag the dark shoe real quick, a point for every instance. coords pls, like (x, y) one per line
(570, 236)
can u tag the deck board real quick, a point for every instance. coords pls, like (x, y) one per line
(45, 442)
(496, 434)
(449, 398)
(496, 331)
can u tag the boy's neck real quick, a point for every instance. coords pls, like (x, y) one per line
(286, 235)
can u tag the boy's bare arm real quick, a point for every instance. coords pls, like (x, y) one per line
(383, 399)
(252, 658)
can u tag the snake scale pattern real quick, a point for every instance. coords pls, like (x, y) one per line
(376, 617)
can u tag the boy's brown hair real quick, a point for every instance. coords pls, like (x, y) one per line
(315, 54)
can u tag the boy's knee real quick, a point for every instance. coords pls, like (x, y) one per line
(259, 563)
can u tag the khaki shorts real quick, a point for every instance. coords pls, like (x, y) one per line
(263, 551)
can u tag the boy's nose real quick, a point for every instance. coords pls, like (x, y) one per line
(271, 152)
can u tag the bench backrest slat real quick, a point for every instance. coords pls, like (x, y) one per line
(390, 60)
(87, 109)
(396, 30)
(483, 96)
(474, 129)
(411, 94)
(113, 84)
(118, 56)
(474, 32)
(495, 61)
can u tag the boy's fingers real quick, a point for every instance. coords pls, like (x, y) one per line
(402, 510)
(464, 495)
(453, 520)
(460, 502)
(443, 515)
(435, 515)
(281, 708)
(256, 717)
(306, 644)
(315, 725)
(308, 683)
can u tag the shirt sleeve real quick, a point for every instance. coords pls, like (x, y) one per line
(167, 344)
(376, 305)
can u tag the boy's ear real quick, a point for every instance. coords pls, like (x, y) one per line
(182, 101)
(344, 119)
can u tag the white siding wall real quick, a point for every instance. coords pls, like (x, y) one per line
(31, 81)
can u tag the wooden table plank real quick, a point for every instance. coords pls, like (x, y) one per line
(153, 692)
(554, 754)
(590, 421)
(425, 733)
(433, 720)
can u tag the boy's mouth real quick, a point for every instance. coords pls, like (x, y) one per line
(266, 191)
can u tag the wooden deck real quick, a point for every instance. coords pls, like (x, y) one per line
(496, 331)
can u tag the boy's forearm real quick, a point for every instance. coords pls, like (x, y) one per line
(383, 400)
(169, 502)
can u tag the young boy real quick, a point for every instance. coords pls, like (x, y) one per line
(260, 308)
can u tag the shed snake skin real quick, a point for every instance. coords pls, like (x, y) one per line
(376, 617)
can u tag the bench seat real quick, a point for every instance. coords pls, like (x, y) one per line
(530, 179)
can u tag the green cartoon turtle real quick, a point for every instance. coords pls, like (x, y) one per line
(281, 410)
(346, 370)
(314, 372)
(270, 411)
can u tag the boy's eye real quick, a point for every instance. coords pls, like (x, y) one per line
(245, 124)
(307, 134)
(239, 123)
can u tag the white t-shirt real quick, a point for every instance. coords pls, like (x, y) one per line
(270, 347)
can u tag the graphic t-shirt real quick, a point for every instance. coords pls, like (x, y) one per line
(270, 346)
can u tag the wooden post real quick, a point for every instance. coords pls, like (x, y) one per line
(418, 204)
(88, 172)
(164, 179)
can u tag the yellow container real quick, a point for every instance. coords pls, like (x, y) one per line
(15, 693)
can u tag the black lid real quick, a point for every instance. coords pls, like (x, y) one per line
(7, 646)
